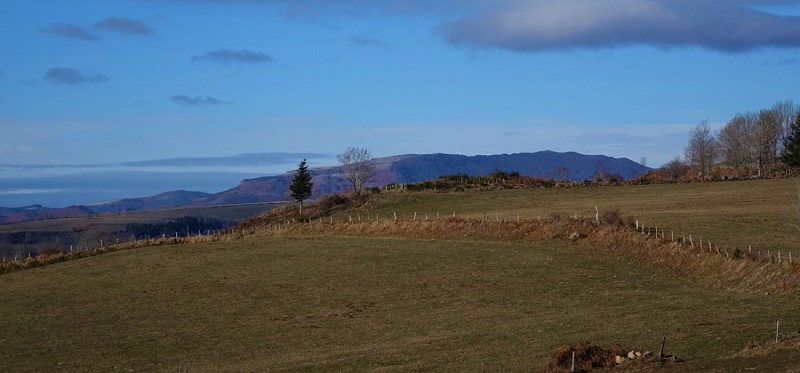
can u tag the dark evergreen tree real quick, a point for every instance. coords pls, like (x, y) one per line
(301, 186)
(791, 145)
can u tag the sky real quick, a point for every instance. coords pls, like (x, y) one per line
(103, 82)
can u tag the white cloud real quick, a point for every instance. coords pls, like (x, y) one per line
(535, 25)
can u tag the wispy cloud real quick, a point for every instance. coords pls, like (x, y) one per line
(788, 61)
(537, 25)
(70, 31)
(226, 56)
(123, 25)
(367, 41)
(71, 76)
(196, 101)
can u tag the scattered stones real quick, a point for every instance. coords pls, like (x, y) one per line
(631, 356)
(576, 236)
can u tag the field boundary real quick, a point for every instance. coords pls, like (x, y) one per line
(713, 266)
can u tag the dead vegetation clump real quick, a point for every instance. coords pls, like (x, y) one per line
(326, 205)
(587, 356)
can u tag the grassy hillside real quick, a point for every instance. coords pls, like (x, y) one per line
(334, 304)
(353, 299)
(761, 213)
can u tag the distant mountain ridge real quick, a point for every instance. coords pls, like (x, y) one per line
(406, 168)
(547, 164)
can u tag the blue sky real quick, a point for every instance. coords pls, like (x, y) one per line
(97, 82)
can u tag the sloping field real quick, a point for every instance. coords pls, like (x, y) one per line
(442, 295)
(354, 303)
(758, 213)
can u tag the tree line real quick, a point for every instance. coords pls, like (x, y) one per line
(755, 144)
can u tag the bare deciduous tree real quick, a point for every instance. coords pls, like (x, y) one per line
(675, 169)
(734, 141)
(751, 141)
(767, 134)
(786, 112)
(357, 167)
(703, 149)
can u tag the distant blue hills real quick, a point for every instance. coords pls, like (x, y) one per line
(407, 168)
(546, 164)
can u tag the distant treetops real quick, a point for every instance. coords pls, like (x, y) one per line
(759, 143)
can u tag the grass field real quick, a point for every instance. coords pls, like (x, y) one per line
(761, 213)
(296, 302)
(334, 304)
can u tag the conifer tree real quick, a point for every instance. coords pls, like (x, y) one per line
(791, 145)
(301, 186)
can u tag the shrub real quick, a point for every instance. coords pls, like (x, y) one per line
(49, 251)
(612, 217)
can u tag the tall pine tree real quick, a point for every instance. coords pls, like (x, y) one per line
(791, 145)
(301, 186)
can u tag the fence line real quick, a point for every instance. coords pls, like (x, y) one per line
(654, 232)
